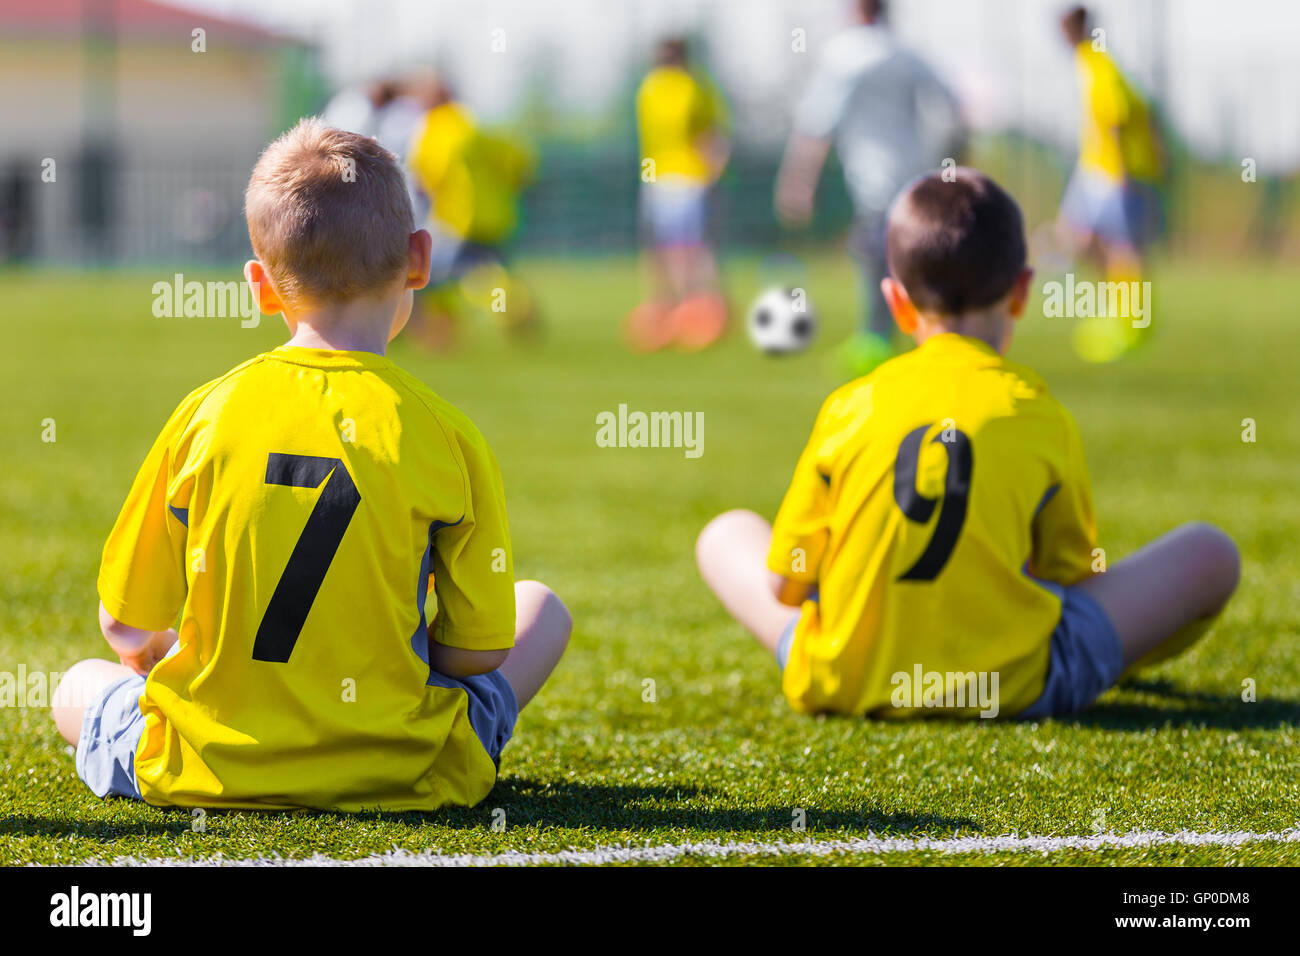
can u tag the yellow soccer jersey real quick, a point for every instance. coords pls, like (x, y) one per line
(929, 493)
(674, 109)
(1116, 136)
(473, 177)
(294, 513)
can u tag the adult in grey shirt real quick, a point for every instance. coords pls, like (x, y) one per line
(875, 102)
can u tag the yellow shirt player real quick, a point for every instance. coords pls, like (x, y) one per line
(1117, 138)
(678, 114)
(1111, 208)
(329, 537)
(1120, 157)
(473, 177)
(936, 552)
(682, 126)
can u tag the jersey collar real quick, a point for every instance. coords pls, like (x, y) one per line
(328, 358)
(956, 342)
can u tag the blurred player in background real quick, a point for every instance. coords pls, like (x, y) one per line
(682, 122)
(388, 110)
(871, 99)
(472, 178)
(383, 109)
(356, 108)
(1111, 206)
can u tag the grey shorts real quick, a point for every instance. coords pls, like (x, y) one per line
(1085, 659)
(111, 728)
(675, 213)
(1128, 212)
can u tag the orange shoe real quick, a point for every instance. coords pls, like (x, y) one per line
(699, 321)
(649, 327)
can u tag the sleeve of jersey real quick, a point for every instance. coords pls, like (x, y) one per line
(474, 574)
(802, 526)
(142, 573)
(1065, 529)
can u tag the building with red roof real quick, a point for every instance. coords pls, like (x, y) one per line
(128, 127)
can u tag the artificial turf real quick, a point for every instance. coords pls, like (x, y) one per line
(716, 755)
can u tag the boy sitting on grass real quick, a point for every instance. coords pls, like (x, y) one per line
(294, 513)
(940, 520)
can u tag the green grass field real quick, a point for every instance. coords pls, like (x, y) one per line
(718, 756)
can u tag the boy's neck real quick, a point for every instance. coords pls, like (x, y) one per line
(992, 328)
(354, 327)
(338, 340)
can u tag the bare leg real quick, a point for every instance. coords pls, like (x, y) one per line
(677, 263)
(1123, 262)
(1163, 597)
(700, 318)
(647, 326)
(79, 686)
(732, 555)
(704, 274)
(542, 627)
(660, 273)
(689, 268)
(1081, 245)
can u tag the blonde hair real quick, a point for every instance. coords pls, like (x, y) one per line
(328, 214)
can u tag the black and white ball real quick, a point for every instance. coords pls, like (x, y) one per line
(782, 321)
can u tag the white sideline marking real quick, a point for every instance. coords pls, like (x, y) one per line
(665, 853)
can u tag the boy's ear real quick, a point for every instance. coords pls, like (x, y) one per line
(420, 253)
(259, 280)
(900, 304)
(1020, 293)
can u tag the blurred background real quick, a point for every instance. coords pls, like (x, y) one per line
(159, 138)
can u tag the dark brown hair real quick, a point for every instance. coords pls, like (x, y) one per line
(871, 10)
(1075, 23)
(955, 246)
(671, 51)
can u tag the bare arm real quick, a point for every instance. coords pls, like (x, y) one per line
(458, 662)
(788, 591)
(135, 647)
(796, 183)
(715, 146)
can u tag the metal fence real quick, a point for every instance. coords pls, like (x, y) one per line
(148, 210)
(151, 209)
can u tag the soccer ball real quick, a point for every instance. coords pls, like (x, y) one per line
(782, 321)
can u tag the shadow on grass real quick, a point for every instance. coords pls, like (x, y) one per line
(638, 809)
(105, 832)
(1186, 708)
(634, 809)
